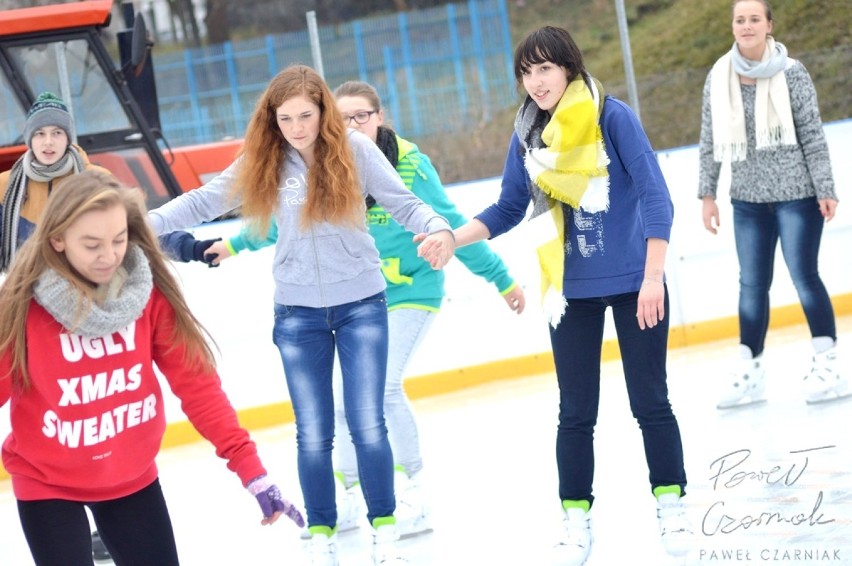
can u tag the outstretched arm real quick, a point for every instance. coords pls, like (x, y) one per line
(203, 401)
(432, 250)
(473, 231)
(183, 246)
(247, 239)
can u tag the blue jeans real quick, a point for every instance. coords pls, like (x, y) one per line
(407, 328)
(307, 338)
(758, 227)
(576, 343)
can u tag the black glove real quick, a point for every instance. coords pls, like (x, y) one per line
(183, 246)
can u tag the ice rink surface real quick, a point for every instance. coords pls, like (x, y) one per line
(771, 484)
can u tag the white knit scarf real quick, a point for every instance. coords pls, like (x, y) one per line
(773, 115)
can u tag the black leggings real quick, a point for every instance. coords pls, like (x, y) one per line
(136, 530)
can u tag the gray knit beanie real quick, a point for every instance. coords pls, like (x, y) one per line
(48, 110)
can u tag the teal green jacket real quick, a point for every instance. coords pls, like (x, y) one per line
(412, 283)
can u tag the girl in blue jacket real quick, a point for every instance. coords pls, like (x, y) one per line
(602, 215)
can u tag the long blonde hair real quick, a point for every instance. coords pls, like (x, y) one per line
(333, 191)
(85, 192)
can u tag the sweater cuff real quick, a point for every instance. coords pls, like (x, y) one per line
(508, 289)
(438, 224)
(248, 469)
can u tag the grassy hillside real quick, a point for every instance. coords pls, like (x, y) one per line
(674, 43)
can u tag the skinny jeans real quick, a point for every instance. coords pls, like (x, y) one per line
(577, 342)
(307, 339)
(758, 227)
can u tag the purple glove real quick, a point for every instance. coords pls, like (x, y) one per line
(269, 497)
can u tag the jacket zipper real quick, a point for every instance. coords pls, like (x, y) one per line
(317, 267)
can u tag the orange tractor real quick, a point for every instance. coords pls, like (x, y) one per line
(60, 48)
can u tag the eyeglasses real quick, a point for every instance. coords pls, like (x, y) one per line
(359, 117)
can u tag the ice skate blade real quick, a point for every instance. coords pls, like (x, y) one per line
(830, 398)
(419, 532)
(740, 404)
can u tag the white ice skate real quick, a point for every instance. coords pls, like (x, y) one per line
(322, 550)
(412, 507)
(824, 382)
(746, 386)
(348, 509)
(385, 551)
(575, 540)
(676, 532)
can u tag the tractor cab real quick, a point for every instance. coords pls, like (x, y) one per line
(61, 49)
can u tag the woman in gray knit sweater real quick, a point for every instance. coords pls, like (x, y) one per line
(761, 120)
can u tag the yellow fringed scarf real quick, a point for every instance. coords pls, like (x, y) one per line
(570, 168)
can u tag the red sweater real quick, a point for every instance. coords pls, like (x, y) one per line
(90, 425)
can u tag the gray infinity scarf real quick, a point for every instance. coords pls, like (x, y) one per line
(120, 307)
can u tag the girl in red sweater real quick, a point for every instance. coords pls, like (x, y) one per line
(88, 307)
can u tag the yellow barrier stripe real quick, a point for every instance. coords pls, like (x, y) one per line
(428, 385)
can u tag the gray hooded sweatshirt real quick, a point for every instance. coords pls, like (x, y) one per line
(326, 264)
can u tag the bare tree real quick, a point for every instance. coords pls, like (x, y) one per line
(194, 34)
(176, 12)
(216, 20)
(185, 13)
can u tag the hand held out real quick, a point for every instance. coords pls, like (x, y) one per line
(272, 503)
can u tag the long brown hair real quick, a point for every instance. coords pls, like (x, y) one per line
(333, 192)
(85, 192)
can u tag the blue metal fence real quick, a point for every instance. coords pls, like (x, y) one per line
(437, 70)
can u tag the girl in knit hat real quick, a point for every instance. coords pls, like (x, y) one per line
(50, 157)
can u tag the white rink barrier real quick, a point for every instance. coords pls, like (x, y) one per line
(475, 326)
